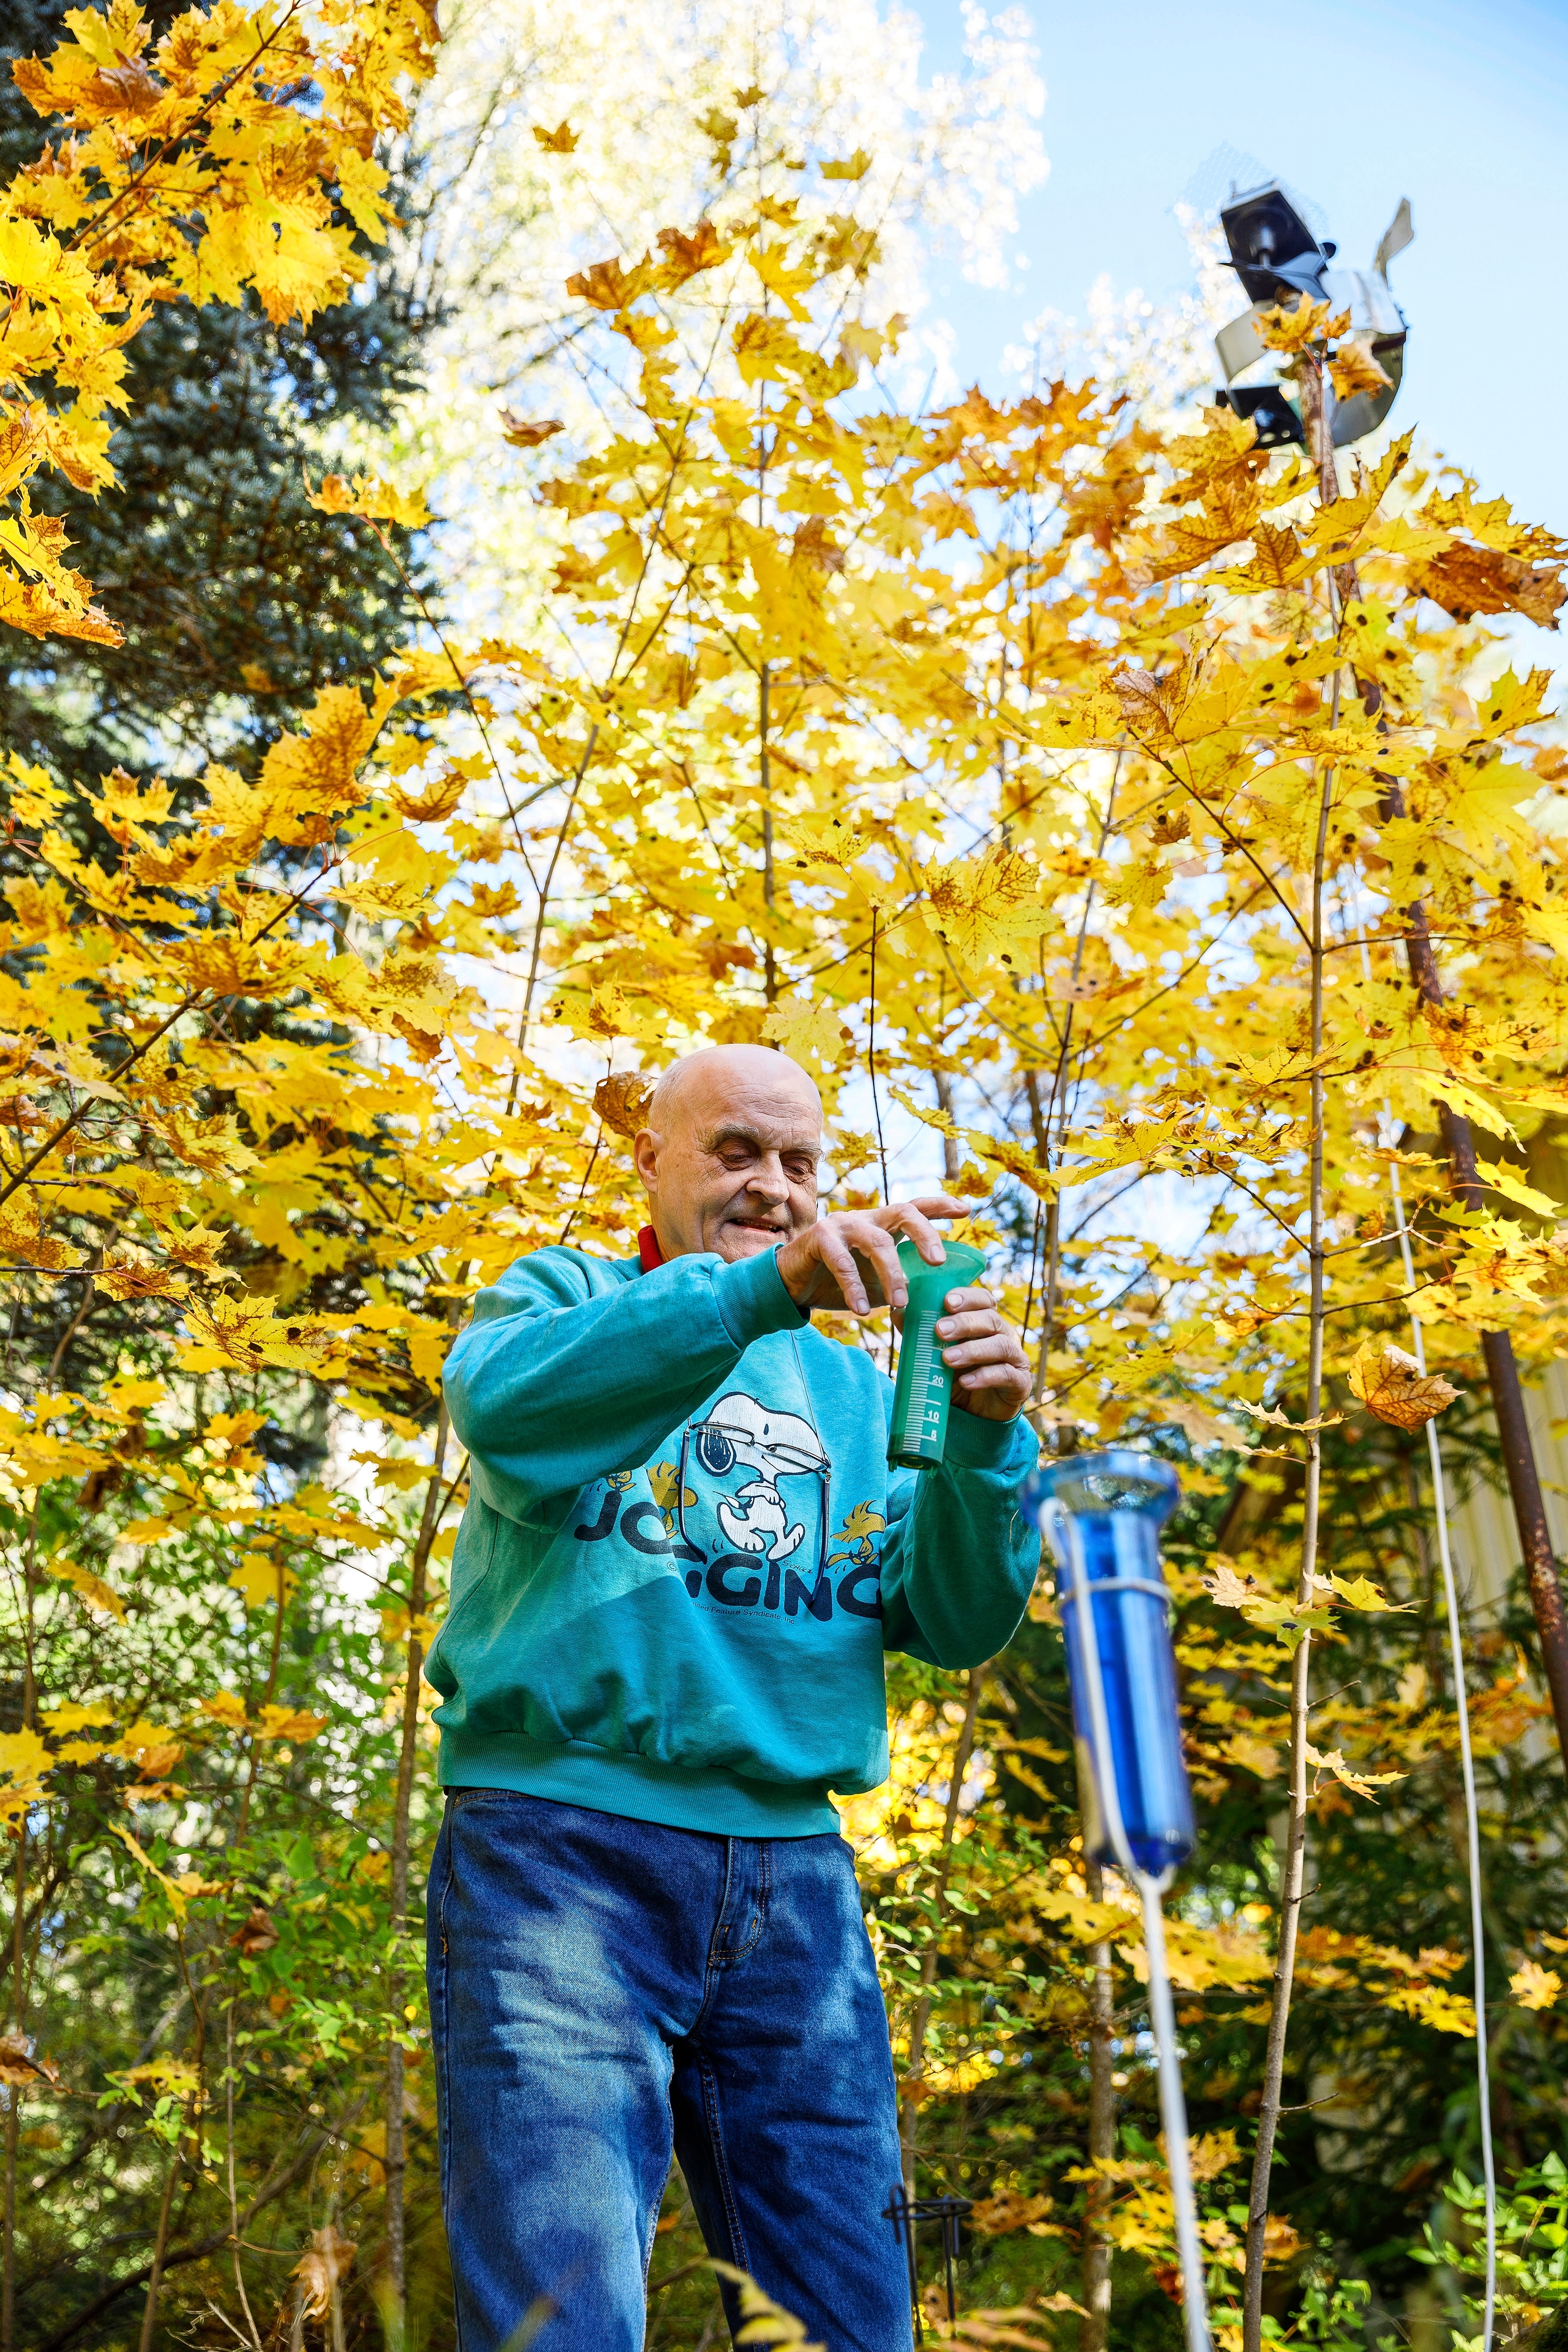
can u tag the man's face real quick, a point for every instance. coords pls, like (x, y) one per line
(733, 1167)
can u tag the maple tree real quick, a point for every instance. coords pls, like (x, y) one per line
(234, 600)
(1015, 768)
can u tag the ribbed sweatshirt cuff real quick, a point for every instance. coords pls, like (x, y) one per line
(976, 1444)
(752, 1299)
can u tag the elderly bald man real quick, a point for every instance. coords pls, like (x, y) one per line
(683, 1558)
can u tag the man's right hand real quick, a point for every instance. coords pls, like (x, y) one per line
(850, 1258)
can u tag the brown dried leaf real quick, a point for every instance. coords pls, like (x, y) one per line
(1007, 2210)
(622, 1101)
(439, 798)
(324, 2263)
(20, 2066)
(258, 1935)
(686, 256)
(526, 433)
(1390, 1384)
(1356, 368)
(1470, 580)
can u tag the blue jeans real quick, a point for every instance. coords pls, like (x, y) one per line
(604, 1992)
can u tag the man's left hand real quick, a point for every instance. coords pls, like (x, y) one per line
(985, 1355)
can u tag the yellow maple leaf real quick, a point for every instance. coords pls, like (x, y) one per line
(561, 141)
(1534, 1987)
(24, 1760)
(178, 1898)
(852, 167)
(985, 907)
(92, 1589)
(807, 1030)
(288, 1723)
(257, 1577)
(244, 1334)
(129, 1272)
(1360, 1592)
(370, 497)
(1334, 1763)
(1499, 1177)
(622, 1101)
(1304, 323)
(76, 1716)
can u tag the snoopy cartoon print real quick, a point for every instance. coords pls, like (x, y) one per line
(775, 1445)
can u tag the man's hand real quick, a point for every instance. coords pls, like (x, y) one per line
(985, 1355)
(851, 1257)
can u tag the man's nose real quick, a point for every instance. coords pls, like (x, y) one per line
(769, 1180)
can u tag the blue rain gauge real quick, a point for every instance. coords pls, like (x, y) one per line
(1100, 1513)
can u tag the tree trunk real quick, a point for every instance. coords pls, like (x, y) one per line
(1094, 2333)
(963, 1748)
(1292, 1875)
(397, 2246)
(1502, 1374)
(1497, 1349)
(952, 1150)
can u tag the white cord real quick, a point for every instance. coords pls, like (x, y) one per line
(1462, 1705)
(1468, 1769)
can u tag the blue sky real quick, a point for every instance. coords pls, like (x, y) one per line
(1464, 109)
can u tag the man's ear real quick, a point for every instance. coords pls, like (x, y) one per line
(645, 1157)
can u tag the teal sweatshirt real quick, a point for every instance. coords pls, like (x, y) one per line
(685, 1552)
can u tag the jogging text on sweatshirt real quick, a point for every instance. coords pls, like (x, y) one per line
(684, 1551)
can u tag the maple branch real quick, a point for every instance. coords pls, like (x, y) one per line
(870, 1071)
(188, 1004)
(463, 686)
(544, 901)
(1235, 840)
(91, 229)
(266, 2195)
(1314, 405)
(1053, 1206)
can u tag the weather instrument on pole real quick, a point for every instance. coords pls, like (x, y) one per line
(1279, 261)
(1100, 1513)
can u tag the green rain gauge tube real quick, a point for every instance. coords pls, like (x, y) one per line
(1101, 1514)
(923, 1395)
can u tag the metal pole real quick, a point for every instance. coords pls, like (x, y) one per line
(1161, 2010)
(1173, 2115)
